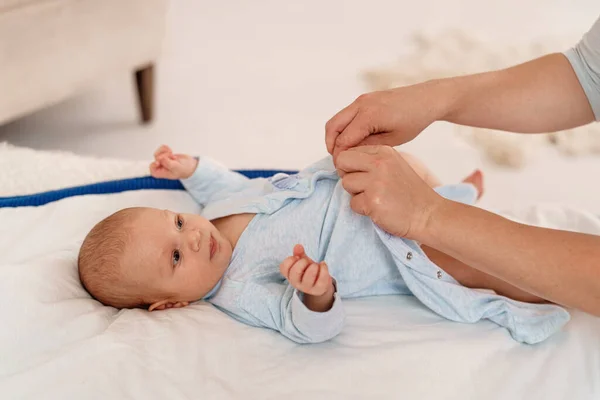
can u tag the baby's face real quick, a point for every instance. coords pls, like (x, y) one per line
(177, 257)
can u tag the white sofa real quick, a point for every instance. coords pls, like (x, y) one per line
(52, 49)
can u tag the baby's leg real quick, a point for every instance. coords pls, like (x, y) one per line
(475, 279)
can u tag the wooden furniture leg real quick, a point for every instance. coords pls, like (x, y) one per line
(144, 79)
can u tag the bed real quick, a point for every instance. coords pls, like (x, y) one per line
(58, 343)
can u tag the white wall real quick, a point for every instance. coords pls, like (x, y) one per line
(253, 83)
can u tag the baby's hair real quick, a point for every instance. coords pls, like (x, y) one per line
(100, 261)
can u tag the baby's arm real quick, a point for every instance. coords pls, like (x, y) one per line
(310, 278)
(204, 179)
(212, 182)
(301, 317)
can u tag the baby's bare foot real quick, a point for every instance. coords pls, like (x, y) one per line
(476, 179)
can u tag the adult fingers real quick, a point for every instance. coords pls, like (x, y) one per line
(359, 204)
(337, 124)
(385, 139)
(357, 159)
(357, 130)
(356, 182)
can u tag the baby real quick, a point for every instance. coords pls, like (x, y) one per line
(283, 252)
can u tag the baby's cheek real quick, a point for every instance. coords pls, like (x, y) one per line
(203, 274)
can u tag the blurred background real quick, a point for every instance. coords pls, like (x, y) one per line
(252, 83)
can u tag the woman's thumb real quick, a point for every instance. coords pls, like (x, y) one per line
(354, 133)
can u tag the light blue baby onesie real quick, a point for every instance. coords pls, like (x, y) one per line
(312, 208)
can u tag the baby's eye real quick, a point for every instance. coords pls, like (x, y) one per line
(179, 222)
(176, 257)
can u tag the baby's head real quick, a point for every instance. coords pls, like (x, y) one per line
(145, 257)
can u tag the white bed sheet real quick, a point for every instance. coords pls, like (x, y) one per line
(57, 343)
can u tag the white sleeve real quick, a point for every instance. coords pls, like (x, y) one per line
(585, 60)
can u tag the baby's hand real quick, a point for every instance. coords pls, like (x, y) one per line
(172, 166)
(306, 275)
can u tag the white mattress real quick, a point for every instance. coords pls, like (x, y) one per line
(57, 343)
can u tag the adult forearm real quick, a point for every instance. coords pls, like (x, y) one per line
(560, 266)
(542, 95)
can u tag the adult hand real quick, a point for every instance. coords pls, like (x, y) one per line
(390, 117)
(542, 95)
(386, 189)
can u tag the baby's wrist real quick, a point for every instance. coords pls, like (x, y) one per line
(195, 163)
(320, 303)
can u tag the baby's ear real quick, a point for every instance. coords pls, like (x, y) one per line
(164, 304)
(159, 305)
(180, 304)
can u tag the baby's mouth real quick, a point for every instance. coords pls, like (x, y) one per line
(213, 246)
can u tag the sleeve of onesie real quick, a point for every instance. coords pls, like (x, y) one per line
(212, 181)
(279, 306)
(585, 60)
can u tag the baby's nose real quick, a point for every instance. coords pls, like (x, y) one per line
(194, 239)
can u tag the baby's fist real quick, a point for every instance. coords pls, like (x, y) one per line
(305, 274)
(172, 166)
